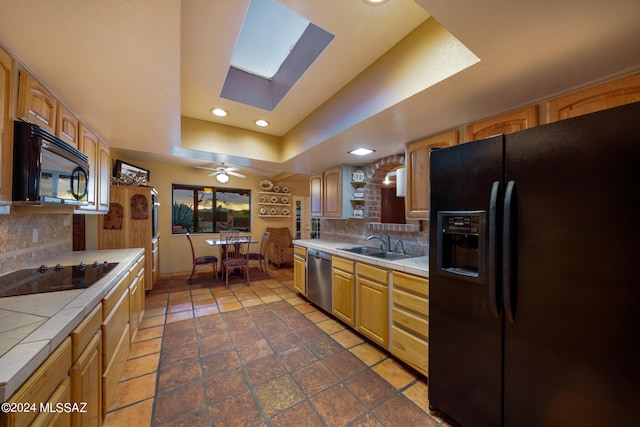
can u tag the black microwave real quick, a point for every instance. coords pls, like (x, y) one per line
(46, 169)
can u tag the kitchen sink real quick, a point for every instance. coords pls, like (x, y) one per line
(362, 250)
(376, 253)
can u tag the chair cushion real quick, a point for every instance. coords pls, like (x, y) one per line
(207, 259)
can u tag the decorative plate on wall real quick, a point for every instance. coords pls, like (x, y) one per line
(285, 189)
(265, 185)
(263, 199)
(285, 211)
(276, 189)
(263, 211)
(284, 200)
(273, 211)
(274, 199)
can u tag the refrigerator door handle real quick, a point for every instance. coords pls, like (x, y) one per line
(508, 240)
(493, 249)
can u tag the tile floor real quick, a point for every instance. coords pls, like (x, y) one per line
(257, 355)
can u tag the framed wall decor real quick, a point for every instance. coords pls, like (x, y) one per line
(130, 174)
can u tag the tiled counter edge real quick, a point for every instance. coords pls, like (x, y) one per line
(69, 309)
(418, 266)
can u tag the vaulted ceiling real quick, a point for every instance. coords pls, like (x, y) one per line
(144, 75)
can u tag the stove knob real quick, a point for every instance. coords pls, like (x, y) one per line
(96, 264)
(59, 267)
(105, 265)
(82, 265)
(43, 268)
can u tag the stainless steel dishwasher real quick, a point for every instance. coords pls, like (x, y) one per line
(319, 278)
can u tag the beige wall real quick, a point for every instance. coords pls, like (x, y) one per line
(175, 255)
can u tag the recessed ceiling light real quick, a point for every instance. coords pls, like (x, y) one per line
(374, 2)
(220, 112)
(261, 123)
(362, 151)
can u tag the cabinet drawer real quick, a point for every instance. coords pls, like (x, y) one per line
(42, 383)
(81, 336)
(114, 369)
(112, 298)
(418, 285)
(411, 302)
(297, 250)
(113, 326)
(342, 264)
(375, 273)
(409, 321)
(410, 349)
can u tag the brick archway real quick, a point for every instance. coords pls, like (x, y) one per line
(375, 175)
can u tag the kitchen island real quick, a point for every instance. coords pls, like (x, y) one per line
(33, 326)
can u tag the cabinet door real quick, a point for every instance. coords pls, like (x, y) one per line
(35, 103)
(86, 383)
(333, 192)
(417, 159)
(344, 294)
(299, 274)
(506, 123)
(6, 125)
(103, 177)
(67, 126)
(601, 97)
(373, 310)
(89, 145)
(317, 194)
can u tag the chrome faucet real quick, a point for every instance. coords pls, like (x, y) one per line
(385, 241)
(401, 251)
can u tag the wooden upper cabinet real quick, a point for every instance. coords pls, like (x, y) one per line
(506, 123)
(7, 67)
(88, 144)
(607, 95)
(333, 192)
(67, 126)
(417, 158)
(104, 177)
(35, 103)
(317, 194)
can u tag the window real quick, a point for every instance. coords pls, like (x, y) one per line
(199, 209)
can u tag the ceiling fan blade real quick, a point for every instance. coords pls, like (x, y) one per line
(239, 175)
(216, 173)
(231, 169)
(204, 167)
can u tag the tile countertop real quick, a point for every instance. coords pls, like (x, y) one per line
(32, 326)
(418, 266)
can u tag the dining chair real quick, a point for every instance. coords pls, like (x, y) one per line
(262, 255)
(202, 260)
(235, 258)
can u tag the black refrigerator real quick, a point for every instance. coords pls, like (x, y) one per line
(534, 292)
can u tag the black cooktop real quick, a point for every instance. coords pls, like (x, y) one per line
(52, 279)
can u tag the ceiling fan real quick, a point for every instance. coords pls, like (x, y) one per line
(222, 173)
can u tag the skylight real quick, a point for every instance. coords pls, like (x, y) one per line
(274, 50)
(268, 35)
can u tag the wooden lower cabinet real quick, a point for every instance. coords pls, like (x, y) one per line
(86, 384)
(53, 417)
(344, 290)
(300, 270)
(373, 303)
(49, 384)
(410, 320)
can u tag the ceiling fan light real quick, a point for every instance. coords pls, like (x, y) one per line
(220, 112)
(222, 178)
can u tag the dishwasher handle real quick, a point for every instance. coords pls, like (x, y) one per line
(314, 253)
